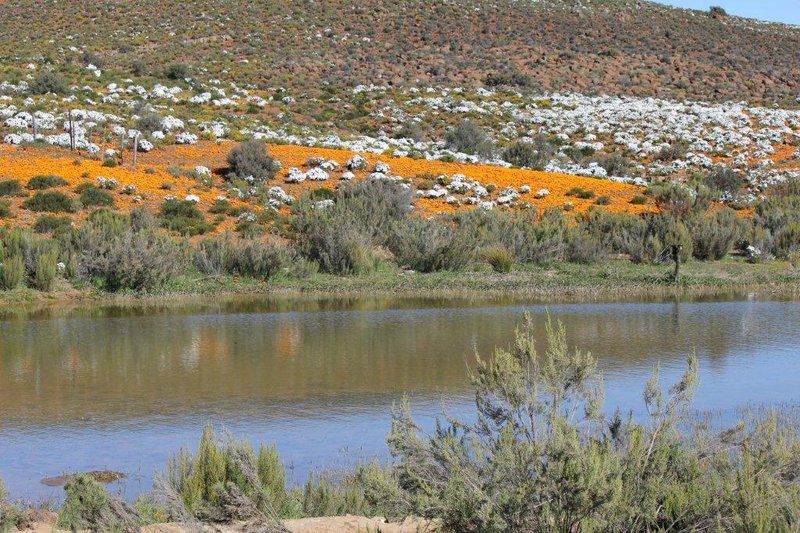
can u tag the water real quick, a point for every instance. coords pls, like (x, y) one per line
(120, 388)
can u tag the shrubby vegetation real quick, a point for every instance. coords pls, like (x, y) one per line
(371, 225)
(250, 160)
(469, 138)
(542, 453)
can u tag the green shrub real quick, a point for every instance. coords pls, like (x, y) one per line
(499, 257)
(223, 255)
(10, 188)
(126, 258)
(676, 150)
(680, 200)
(88, 506)
(321, 193)
(219, 207)
(184, 217)
(431, 245)
(49, 201)
(177, 71)
(713, 236)
(251, 160)
(12, 272)
(614, 165)
(45, 182)
(45, 272)
(639, 199)
(221, 474)
(534, 155)
(583, 247)
(149, 121)
(537, 241)
(724, 181)
(469, 138)
(513, 78)
(51, 224)
(5, 209)
(11, 518)
(787, 240)
(603, 200)
(580, 192)
(343, 238)
(92, 196)
(48, 82)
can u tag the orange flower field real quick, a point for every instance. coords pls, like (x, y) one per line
(153, 182)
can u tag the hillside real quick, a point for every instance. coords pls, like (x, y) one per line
(591, 46)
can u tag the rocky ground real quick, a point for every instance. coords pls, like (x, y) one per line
(628, 47)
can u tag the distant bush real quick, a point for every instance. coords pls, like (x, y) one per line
(250, 159)
(411, 130)
(513, 78)
(580, 192)
(534, 155)
(48, 82)
(321, 193)
(51, 224)
(10, 188)
(499, 257)
(120, 258)
(430, 245)
(724, 180)
(678, 199)
(223, 255)
(537, 241)
(45, 182)
(91, 196)
(717, 12)
(469, 138)
(177, 71)
(614, 165)
(149, 121)
(49, 201)
(674, 151)
(787, 240)
(184, 217)
(713, 236)
(583, 247)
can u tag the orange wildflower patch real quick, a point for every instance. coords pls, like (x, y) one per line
(620, 194)
(151, 174)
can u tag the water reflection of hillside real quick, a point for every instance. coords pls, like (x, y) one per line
(119, 363)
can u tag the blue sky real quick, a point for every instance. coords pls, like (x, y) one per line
(777, 10)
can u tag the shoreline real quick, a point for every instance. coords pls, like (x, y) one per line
(613, 281)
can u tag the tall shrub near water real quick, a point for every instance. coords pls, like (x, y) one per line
(46, 270)
(12, 272)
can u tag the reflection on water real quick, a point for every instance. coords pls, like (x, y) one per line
(121, 387)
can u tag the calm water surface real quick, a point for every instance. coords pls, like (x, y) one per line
(123, 387)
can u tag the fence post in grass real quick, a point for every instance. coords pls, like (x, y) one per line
(35, 127)
(121, 149)
(135, 149)
(71, 132)
(676, 257)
